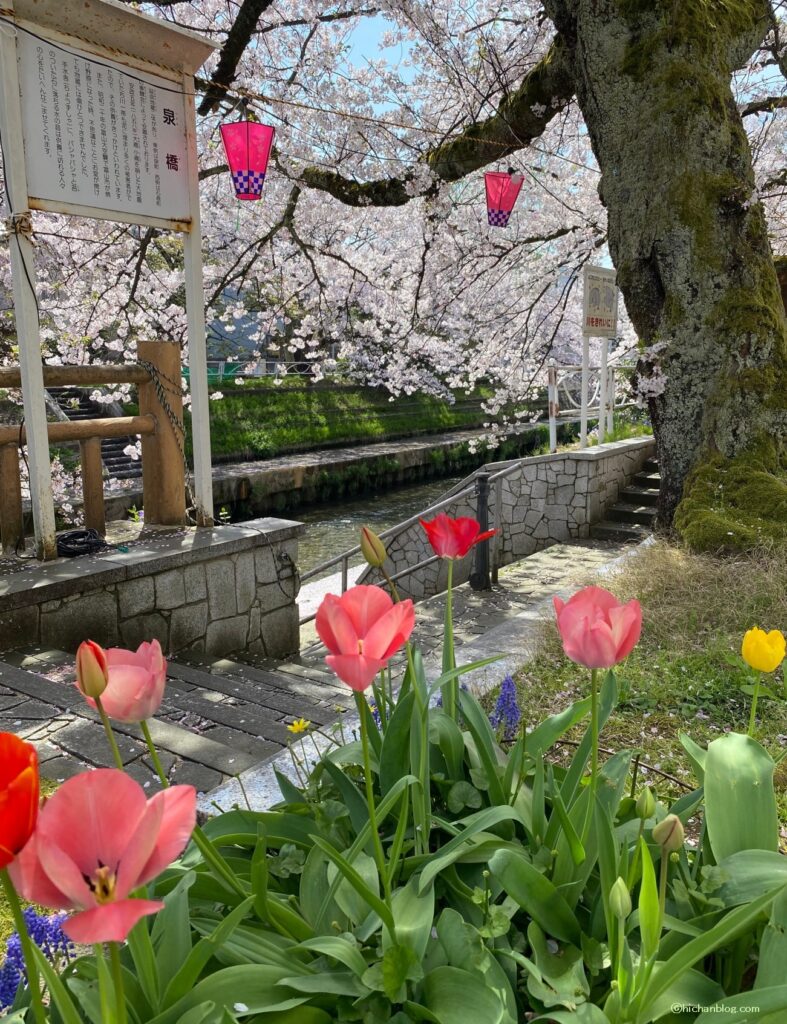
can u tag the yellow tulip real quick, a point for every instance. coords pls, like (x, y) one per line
(763, 651)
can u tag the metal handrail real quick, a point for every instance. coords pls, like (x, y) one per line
(346, 555)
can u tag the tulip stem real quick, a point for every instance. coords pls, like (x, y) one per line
(31, 969)
(110, 735)
(755, 696)
(663, 886)
(153, 753)
(117, 978)
(217, 864)
(363, 711)
(594, 729)
(450, 691)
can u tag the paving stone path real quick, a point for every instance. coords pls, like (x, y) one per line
(221, 717)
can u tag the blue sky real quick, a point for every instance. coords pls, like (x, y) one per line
(366, 44)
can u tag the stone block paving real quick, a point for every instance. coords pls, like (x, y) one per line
(221, 716)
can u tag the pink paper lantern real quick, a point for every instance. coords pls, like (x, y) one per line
(502, 190)
(248, 146)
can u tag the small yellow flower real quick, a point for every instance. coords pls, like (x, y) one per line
(299, 725)
(763, 651)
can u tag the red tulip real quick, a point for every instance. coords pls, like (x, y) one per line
(136, 683)
(92, 669)
(18, 795)
(362, 629)
(453, 538)
(597, 630)
(97, 840)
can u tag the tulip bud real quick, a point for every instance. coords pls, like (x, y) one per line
(669, 834)
(372, 548)
(620, 899)
(646, 804)
(92, 669)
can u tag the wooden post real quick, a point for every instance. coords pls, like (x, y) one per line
(195, 314)
(603, 383)
(554, 404)
(92, 484)
(583, 412)
(12, 523)
(23, 278)
(163, 467)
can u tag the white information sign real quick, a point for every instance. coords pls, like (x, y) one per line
(599, 303)
(100, 136)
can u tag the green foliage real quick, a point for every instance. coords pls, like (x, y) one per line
(260, 420)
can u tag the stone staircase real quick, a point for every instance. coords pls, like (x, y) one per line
(77, 405)
(633, 514)
(218, 717)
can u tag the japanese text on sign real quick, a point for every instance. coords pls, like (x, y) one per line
(599, 303)
(99, 136)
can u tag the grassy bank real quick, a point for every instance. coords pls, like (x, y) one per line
(686, 673)
(261, 420)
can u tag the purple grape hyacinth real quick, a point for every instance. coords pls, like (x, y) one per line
(47, 933)
(506, 715)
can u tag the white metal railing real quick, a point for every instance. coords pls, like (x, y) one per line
(601, 403)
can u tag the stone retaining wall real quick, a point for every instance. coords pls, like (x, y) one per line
(217, 591)
(546, 500)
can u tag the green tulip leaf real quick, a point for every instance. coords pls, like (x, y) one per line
(740, 803)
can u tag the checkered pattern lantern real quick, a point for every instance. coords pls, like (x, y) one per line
(502, 190)
(248, 146)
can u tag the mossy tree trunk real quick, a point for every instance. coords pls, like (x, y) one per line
(686, 232)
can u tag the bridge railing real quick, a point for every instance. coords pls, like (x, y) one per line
(159, 425)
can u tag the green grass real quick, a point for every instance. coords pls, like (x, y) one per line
(685, 675)
(261, 420)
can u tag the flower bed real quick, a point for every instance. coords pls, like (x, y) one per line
(438, 867)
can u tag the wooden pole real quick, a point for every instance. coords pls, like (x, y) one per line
(583, 413)
(92, 484)
(77, 376)
(23, 278)
(602, 391)
(79, 430)
(195, 314)
(163, 467)
(554, 405)
(12, 523)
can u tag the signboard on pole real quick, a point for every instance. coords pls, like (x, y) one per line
(100, 138)
(599, 303)
(97, 120)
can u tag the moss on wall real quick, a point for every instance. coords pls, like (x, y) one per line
(738, 504)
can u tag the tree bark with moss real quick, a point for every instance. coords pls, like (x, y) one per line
(686, 232)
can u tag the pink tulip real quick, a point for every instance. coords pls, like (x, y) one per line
(136, 683)
(597, 631)
(97, 839)
(362, 629)
(92, 669)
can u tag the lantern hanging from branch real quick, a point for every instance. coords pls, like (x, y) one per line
(248, 146)
(502, 190)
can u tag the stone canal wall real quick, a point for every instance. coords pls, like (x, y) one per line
(217, 591)
(546, 500)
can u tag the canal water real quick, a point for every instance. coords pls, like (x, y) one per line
(331, 529)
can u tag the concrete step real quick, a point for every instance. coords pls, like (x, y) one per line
(622, 512)
(613, 531)
(650, 466)
(644, 479)
(188, 755)
(640, 495)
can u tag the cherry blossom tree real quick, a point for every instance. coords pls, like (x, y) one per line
(651, 133)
